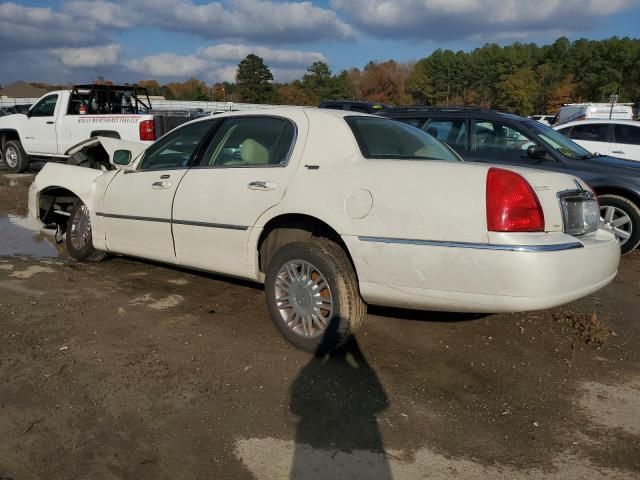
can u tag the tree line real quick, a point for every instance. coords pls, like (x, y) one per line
(519, 78)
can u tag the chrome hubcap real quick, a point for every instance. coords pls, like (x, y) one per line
(11, 157)
(80, 228)
(303, 298)
(618, 221)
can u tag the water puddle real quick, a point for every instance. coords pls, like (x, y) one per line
(22, 236)
(16, 179)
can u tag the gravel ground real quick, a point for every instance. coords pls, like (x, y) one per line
(132, 370)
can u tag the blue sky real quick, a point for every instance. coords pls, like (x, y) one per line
(129, 40)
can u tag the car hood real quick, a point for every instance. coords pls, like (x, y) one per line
(8, 121)
(613, 164)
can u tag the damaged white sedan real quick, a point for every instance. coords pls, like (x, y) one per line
(332, 211)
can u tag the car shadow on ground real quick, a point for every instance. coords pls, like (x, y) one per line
(337, 396)
(425, 315)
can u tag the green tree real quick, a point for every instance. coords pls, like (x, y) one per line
(254, 80)
(320, 84)
(517, 92)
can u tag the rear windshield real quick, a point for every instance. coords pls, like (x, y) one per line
(385, 138)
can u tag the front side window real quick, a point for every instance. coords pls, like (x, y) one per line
(45, 107)
(251, 142)
(498, 138)
(627, 134)
(175, 149)
(591, 132)
(385, 138)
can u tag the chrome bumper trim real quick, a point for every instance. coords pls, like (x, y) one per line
(478, 246)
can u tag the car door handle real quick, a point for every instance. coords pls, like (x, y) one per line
(50, 123)
(262, 185)
(617, 151)
(160, 185)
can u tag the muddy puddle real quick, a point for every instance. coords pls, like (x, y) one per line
(22, 236)
(16, 179)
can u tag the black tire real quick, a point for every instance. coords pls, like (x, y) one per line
(349, 310)
(632, 211)
(84, 252)
(14, 156)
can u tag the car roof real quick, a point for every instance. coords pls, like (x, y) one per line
(634, 123)
(282, 112)
(424, 111)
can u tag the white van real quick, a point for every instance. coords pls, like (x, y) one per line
(595, 111)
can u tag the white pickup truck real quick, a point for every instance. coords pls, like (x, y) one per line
(61, 119)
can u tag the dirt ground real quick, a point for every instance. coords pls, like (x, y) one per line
(133, 370)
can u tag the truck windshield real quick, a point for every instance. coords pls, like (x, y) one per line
(559, 142)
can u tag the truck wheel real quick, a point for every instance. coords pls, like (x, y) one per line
(623, 217)
(79, 240)
(15, 157)
(313, 296)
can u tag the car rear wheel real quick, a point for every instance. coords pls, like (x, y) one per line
(15, 157)
(623, 217)
(313, 296)
(79, 238)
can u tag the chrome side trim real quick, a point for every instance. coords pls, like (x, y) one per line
(209, 225)
(132, 217)
(478, 246)
(176, 222)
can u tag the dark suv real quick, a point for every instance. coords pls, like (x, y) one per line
(488, 136)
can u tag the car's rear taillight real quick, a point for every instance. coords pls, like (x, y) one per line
(147, 131)
(512, 205)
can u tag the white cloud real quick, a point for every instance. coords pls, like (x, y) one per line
(219, 62)
(100, 13)
(488, 19)
(168, 65)
(22, 28)
(88, 57)
(249, 20)
(281, 57)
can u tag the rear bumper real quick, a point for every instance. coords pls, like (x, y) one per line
(483, 278)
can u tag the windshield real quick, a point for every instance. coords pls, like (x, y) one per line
(385, 138)
(559, 142)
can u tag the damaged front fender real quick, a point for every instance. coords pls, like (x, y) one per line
(97, 152)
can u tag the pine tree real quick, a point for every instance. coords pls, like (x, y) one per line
(254, 80)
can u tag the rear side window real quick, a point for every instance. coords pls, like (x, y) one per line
(384, 138)
(628, 134)
(251, 142)
(591, 132)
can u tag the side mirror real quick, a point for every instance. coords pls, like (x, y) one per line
(29, 113)
(537, 152)
(122, 157)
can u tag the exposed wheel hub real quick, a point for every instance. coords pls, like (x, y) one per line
(80, 228)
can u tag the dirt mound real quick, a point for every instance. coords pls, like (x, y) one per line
(588, 327)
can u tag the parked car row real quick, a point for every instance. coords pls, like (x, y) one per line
(334, 210)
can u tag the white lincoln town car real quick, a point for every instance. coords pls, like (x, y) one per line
(333, 211)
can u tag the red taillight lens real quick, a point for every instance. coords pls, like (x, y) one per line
(512, 205)
(147, 131)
